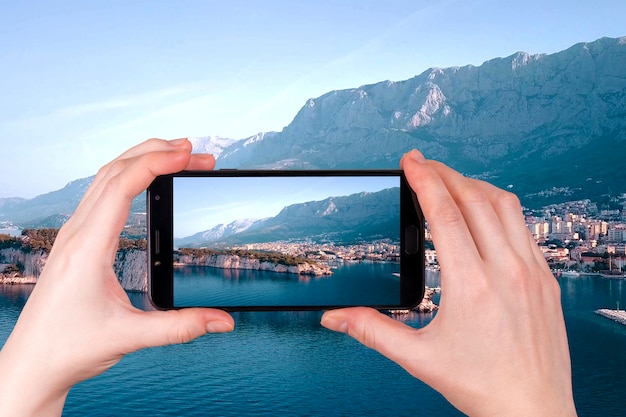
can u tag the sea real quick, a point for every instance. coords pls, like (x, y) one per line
(350, 284)
(285, 363)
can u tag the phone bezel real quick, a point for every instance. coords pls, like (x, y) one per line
(159, 203)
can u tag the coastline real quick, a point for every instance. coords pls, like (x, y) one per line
(231, 261)
(618, 316)
(576, 274)
(15, 280)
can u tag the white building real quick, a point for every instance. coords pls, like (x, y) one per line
(430, 256)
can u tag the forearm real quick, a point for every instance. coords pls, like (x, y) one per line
(24, 391)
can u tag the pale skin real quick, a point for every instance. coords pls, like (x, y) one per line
(497, 346)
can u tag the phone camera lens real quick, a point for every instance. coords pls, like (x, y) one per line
(157, 197)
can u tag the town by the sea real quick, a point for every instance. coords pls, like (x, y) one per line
(287, 364)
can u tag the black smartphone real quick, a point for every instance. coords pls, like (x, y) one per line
(284, 240)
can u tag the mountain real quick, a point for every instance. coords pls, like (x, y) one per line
(344, 219)
(527, 122)
(54, 208)
(51, 206)
(214, 145)
(241, 151)
(541, 125)
(220, 231)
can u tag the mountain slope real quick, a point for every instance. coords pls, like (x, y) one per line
(60, 203)
(527, 122)
(221, 231)
(488, 121)
(54, 208)
(344, 219)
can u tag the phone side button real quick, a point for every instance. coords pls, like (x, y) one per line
(411, 245)
(157, 242)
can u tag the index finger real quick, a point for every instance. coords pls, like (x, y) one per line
(105, 207)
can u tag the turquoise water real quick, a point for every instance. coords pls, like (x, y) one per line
(286, 364)
(350, 284)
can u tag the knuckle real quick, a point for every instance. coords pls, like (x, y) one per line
(470, 195)
(183, 335)
(448, 214)
(154, 142)
(111, 169)
(554, 288)
(180, 330)
(509, 201)
(519, 273)
(111, 185)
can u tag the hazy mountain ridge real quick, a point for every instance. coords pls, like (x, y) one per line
(53, 205)
(532, 122)
(361, 216)
(54, 208)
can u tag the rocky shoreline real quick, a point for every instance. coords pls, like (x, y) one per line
(227, 261)
(15, 279)
(131, 269)
(618, 316)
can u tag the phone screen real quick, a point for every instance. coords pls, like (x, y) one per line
(302, 241)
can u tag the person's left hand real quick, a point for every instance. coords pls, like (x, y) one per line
(79, 321)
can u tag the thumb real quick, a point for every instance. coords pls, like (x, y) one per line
(393, 339)
(159, 328)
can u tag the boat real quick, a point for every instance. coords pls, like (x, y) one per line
(570, 274)
(615, 273)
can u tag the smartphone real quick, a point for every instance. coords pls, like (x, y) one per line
(284, 240)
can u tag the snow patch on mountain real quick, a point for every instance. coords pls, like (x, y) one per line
(332, 208)
(217, 232)
(214, 145)
(224, 230)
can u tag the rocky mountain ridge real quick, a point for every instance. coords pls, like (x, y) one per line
(342, 219)
(498, 121)
(219, 231)
(527, 122)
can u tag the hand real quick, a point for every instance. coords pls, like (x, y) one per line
(497, 346)
(78, 321)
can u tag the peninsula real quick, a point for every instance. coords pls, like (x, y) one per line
(255, 260)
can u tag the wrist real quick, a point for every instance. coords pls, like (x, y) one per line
(24, 391)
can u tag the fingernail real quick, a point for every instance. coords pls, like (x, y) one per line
(417, 156)
(337, 324)
(178, 142)
(219, 326)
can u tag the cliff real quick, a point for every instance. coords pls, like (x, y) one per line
(130, 267)
(238, 262)
(31, 264)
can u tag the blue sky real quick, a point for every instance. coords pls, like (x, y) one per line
(81, 81)
(203, 203)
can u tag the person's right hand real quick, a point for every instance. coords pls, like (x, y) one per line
(497, 346)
